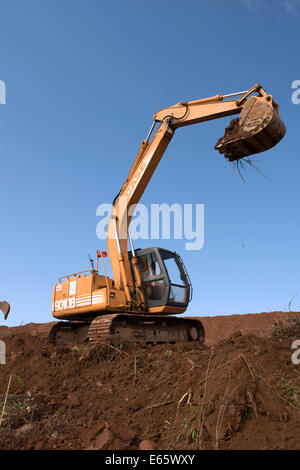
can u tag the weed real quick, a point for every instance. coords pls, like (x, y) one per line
(191, 433)
(20, 382)
(288, 390)
(193, 408)
(82, 348)
(185, 423)
(139, 361)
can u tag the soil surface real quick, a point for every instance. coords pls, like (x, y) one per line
(240, 390)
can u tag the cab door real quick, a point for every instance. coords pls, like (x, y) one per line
(154, 279)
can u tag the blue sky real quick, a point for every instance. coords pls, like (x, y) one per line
(84, 78)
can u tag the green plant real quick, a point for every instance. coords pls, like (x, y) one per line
(289, 391)
(20, 382)
(193, 408)
(191, 433)
(138, 361)
(82, 348)
(185, 423)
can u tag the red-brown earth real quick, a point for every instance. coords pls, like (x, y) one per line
(240, 390)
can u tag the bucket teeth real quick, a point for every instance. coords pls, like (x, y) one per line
(258, 129)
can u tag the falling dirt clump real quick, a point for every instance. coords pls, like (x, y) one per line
(240, 390)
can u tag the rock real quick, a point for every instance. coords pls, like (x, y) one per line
(23, 429)
(147, 445)
(39, 446)
(96, 428)
(99, 436)
(119, 445)
(103, 440)
(124, 433)
(73, 399)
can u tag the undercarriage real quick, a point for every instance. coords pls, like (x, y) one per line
(129, 328)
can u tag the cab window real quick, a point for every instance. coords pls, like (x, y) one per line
(149, 266)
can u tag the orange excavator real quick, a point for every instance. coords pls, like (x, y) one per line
(151, 286)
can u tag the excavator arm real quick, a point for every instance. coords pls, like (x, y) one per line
(258, 128)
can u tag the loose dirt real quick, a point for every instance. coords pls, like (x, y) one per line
(240, 390)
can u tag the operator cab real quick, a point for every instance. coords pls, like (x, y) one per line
(165, 279)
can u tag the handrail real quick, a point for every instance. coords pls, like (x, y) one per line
(74, 274)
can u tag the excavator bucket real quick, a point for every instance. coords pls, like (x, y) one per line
(258, 128)
(5, 307)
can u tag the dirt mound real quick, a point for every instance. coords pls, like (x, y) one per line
(258, 324)
(239, 391)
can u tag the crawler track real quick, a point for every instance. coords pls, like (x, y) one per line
(130, 328)
(146, 329)
(69, 333)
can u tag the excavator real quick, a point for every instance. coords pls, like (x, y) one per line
(151, 286)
